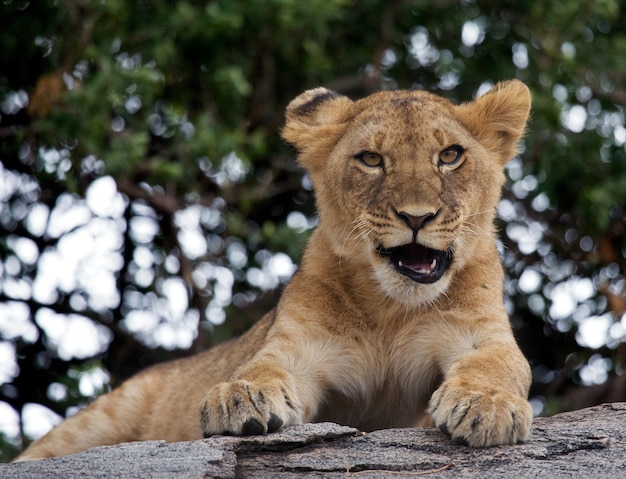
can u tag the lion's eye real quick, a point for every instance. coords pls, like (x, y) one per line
(451, 155)
(370, 159)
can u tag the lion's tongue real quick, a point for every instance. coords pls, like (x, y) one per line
(420, 268)
(416, 259)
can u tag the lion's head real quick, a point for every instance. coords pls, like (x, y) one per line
(407, 182)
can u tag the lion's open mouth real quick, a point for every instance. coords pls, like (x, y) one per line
(421, 264)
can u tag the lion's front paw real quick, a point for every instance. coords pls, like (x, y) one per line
(480, 416)
(243, 408)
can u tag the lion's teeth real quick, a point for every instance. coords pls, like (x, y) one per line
(428, 270)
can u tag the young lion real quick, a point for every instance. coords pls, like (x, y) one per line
(396, 310)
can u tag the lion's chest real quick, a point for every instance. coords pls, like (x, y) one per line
(388, 382)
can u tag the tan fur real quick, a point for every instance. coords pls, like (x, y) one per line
(353, 340)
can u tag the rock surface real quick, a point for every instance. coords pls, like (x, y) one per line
(587, 443)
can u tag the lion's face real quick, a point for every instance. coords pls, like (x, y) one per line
(406, 182)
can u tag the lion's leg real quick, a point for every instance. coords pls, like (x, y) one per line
(262, 402)
(283, 385)
(483, 399)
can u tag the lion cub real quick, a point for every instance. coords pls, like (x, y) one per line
(396, 311)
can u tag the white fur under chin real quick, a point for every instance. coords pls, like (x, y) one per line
(408, 292)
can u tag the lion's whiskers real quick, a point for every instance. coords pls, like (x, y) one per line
(469, 215)
(470, 231)
(358, 233)
(475, 228)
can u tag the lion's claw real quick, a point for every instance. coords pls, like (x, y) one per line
(480, 416)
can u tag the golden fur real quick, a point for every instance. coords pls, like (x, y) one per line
(396, 311)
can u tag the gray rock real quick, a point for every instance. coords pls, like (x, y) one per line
(587, 443)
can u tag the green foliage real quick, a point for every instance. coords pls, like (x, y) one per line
(8, 448)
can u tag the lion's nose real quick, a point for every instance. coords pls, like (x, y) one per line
(416, 223)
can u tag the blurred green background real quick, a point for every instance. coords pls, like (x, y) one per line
(149, 209)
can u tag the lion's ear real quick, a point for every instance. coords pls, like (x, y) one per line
(498, 118)
(313, 116)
